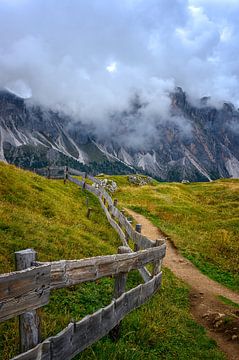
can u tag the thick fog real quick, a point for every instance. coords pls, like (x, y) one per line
(90, 57)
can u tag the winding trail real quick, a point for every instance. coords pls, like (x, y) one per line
(205, 306)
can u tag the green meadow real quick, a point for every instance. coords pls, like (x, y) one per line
(51, 218)
(202, 220)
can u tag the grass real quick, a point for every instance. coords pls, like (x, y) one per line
(228, 302)
(161, 329)
(51, 218)
(202, 219)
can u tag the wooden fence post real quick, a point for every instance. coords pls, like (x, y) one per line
(88, 213)
(138, 228)
(158, 263)
(29, 322)
(111, 207)
(65, 174)
(119, 289)
(114, 204)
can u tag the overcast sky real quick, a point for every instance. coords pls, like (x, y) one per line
(92, 55)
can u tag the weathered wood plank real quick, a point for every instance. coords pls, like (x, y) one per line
(142, 241)
(107, 197)
(24, 290)
(146, 275)
(158, 262)
(128, 228)
(93, 190)
(17, 283)
(119, 289)
(121, 276)
(71, 272)
(138, 228)
(76, 172)
(93, 179)
(75, 181)
(61, 344)
(29, 322)
(40, 352)
(122, 219)
(57, 168)
(54, 168)
(113, 223)
(78, 336)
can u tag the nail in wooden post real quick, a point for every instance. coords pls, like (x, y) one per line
(29, 322)
(158, 263)
(138, 228)
(119, 289)
(88, 213)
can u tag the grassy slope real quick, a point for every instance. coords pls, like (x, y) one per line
(201, 218)
(50, 217)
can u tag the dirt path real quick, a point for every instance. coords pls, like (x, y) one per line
(205, 306)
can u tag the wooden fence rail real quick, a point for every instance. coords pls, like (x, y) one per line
(30, 289)
(78, 336)
(24, 291)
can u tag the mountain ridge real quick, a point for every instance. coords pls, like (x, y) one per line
(197, 143)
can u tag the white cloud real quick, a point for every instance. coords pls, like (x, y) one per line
(112, 67)
(64, 51)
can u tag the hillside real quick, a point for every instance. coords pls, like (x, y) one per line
(51, 217)
(201, 219)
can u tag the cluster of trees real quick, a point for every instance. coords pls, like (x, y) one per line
(32, 157)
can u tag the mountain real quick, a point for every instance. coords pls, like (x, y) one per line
(32, 136)
(197, 143)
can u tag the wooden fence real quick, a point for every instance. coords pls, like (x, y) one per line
(28, 288)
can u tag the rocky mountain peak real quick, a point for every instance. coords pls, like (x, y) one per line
(197, 143)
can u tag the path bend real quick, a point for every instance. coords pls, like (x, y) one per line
(204, 291)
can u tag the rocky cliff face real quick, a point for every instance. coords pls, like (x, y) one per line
(32, 136)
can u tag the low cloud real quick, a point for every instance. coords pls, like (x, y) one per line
(90, 58)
